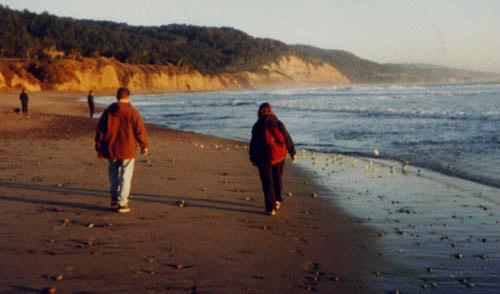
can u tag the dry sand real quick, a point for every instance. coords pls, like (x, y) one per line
(56, 228)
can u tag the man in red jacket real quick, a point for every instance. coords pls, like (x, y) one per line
(119, 130)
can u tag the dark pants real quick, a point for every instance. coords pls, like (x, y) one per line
(271, 177)
(91, 109)
(24, 105)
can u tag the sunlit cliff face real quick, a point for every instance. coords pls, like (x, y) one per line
(108, 74)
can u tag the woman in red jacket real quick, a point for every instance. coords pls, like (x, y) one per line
(269, 146)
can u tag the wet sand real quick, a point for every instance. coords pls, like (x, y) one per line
(57, 230)
(435, 232)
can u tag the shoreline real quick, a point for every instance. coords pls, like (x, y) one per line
(433, 230)
(310, 245)
(443, 172)
(15, 91)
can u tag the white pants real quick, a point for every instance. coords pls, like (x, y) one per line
(120, 178)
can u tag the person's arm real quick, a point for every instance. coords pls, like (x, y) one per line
(252, 151)
(101, 133)
(140, 132)
(290, 146)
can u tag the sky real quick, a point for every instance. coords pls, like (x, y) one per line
(456, 33)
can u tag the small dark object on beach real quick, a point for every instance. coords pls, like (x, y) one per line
(459, 256)
(49, 290)
(180, 203)
(430, 270)
(336, 279)
(17, 110)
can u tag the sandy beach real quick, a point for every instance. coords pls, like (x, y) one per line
(57, 229)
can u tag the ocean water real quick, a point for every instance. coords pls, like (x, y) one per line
(452, 129)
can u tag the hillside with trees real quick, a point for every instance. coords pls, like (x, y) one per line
(40, 39)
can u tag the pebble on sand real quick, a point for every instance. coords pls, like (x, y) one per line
(179, 266)
(180, 203)
(58, 278)
(290, 194)
(90, 226)
(49, 290)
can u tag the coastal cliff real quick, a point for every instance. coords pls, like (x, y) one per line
(106, 74)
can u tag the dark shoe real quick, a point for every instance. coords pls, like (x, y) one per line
(123, 209)
(114, 203)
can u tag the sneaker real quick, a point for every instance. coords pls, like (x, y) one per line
(277, 205)
(123, 209)
(272, 212)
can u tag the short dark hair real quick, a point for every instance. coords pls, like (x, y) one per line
(122, 93)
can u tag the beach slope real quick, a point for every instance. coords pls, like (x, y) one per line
(57, 229)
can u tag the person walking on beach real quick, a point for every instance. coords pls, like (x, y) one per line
(90, 102)
(119, 130)
(269, 147)
(24, 100)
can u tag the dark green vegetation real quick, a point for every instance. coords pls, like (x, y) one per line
(27, 35)
(210, 50)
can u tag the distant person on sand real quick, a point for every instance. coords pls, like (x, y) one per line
(90, 101)
(24, 100)
(119, 130)
(269, 147)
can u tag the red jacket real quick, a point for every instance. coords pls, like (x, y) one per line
(119, 130)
